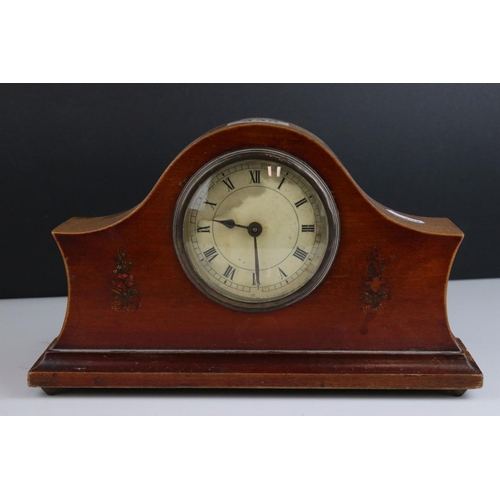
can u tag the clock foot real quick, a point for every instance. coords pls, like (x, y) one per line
(50, 391)
(458, 393)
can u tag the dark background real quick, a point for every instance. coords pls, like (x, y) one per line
(89, 150)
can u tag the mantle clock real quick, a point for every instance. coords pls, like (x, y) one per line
(257, 262)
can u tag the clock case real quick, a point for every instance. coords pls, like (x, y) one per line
(377, 321)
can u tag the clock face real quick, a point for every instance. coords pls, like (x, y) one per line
(256, 229)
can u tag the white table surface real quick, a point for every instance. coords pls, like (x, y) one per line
(27, 326)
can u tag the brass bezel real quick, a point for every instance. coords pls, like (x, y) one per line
(302, 169)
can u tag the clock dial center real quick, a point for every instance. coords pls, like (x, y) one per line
(254, 229)
(264, 212)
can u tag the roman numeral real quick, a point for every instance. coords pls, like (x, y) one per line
(281, 183)
(255, 176)
(228, 183)
(212, 205)
(210, 254)
(203, 229)
(282, 273)
(300, 254)
(308, 228)
(253, 279)
(300, 202)
(229, 272)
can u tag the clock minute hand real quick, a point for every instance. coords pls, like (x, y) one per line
(257, 270)
(229, 223)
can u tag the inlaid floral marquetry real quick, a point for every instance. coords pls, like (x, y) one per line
(124, 289)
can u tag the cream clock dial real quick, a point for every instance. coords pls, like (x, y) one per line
(256, 229)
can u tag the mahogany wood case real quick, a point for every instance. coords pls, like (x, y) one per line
(377, 321)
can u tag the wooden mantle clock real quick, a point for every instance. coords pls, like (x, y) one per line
(257, 262)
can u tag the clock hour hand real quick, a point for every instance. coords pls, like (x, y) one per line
(229, 223)
(254, 230)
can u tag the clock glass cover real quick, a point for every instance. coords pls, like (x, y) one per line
(256, 229)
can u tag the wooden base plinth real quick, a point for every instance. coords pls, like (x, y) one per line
(424, 370)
